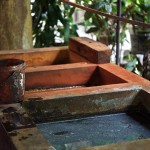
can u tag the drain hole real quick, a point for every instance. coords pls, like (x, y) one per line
(61, 133)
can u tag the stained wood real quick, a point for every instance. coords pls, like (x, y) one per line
(95, 52)
(39, 56)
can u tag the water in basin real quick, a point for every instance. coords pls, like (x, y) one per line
(97, 130)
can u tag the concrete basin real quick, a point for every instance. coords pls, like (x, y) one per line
(71, 103)
(82, 122)
(122, 100)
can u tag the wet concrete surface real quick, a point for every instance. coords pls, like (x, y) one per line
(96, 131)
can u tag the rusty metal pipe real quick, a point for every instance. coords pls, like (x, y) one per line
(133, 22)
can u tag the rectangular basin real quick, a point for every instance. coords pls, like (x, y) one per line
(71, 104)
(92, 120)
(69, 76)
(82, 121)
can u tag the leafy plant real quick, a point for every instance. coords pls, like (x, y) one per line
(52, 23)
(103, 27)
(133, 64)
(138, 10)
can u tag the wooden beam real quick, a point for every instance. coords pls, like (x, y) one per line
(39, 56)
(93, 51)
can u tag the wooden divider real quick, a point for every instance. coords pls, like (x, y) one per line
(94, 51)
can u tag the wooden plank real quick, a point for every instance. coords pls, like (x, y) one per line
(59, 76)
(39, 56)
(76, 58)
(95, 52)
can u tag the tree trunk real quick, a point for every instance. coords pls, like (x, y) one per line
(15, 24)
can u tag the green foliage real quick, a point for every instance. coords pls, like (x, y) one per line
(101, 26)
(133, 64)
(52, 21)
(138, 10)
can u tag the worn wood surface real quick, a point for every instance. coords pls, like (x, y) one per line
(39, 56)
(44, 56)
(77, 74)
(79, 50)
(95, 52)
(76, 58)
